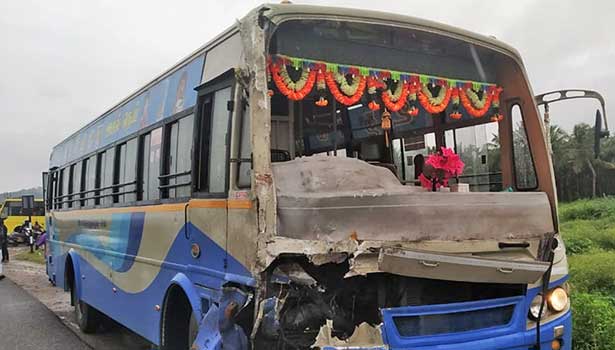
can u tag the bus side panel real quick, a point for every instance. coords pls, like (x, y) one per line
(129, 258)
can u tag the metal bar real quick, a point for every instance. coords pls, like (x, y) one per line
(161, 187)
(166, 176)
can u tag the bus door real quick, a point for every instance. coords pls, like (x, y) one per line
(207, 211)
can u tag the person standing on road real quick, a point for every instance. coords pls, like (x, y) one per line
(4, 241)
(4, 245)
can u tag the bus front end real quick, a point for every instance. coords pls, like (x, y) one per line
(364, 241)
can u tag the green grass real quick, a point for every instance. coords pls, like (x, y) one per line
(37, 257)
(588, 225)
(588, 229)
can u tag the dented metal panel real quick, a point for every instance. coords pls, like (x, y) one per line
(450, 267)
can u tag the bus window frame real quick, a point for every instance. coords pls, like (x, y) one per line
(510, 104)
(98, 188)
(202, 154)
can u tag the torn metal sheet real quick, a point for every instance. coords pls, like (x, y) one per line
(328, 198)
(449, 267)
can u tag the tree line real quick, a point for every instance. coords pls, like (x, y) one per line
(577, 170)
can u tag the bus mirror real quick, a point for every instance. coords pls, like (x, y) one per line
(598, 133)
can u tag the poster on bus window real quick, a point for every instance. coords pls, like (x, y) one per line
(168, 97)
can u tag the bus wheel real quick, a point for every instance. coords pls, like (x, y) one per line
(179, 326)
(87, 317)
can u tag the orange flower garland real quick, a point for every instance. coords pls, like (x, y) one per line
(291, 93)
(394, 106)
(467, 104)
(431, 108)
(339, 96)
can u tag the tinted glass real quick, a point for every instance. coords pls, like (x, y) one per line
(172, 158)
(106, 176)
(184, 156)
(525, 172)
(90, 180)
(65, 186)
(218, 149)
(155, 149)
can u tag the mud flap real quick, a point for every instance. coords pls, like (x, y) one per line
(217, 329)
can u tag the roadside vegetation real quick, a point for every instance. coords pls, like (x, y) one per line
(37, 257)
(588, 228)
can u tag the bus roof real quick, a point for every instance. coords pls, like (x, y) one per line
(278, 13)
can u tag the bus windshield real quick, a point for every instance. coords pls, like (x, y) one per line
(336, 123)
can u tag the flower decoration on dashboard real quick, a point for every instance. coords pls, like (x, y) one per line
(350, 94)
(437, 104)
(294, 90)
(395, 91)
(440, 167)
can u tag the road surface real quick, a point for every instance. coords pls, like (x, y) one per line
(27, 324)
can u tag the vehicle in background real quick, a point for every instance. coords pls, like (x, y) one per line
(15, 215)
(267, 190)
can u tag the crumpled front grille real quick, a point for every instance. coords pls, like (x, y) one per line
(464, 321)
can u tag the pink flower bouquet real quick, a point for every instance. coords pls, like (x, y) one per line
(440, 167)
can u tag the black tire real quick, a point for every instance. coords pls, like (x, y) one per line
(88, 318)
(179, 325)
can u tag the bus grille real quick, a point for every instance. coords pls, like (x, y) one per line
(421, 325)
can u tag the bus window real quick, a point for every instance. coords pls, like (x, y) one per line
(218, 146)
(76, 188)
(125, 172)
(105, 176)
(479, 149)
(151, 164)
(525, 173)
(69, 199)
(90, 166)
(149, 168)
(39, 208)
(65, 187)
(179, 158)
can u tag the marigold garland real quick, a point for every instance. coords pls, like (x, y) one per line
(409, 92)
(395, 101)
(347, 89)
(469, 106)
(434, 105)
(293, 92)
(339, 96)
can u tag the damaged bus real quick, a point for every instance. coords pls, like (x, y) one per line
(280, 188)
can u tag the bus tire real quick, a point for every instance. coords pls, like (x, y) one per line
(179, 326)
(88, 318)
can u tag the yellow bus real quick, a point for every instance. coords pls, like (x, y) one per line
(14, 215)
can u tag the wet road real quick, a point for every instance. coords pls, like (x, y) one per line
(27, 324)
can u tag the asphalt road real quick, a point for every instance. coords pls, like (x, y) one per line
(27, 324)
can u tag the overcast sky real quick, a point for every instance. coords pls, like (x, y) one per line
(65, 62)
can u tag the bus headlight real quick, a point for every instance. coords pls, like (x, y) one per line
(535, 307)
(558, 299)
